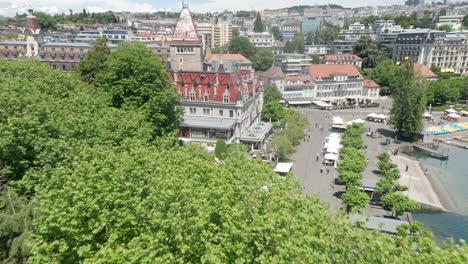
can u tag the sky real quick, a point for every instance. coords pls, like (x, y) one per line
(10, 7)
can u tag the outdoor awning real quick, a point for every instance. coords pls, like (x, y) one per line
(332, 144)
(321, 103)
(357, 121)
(333, 149)
(283, 167)
(331, 156)
(299, 102)
(203, 122)
(453, 116)
(426, 114)
(338, 120)
(450, 111)
(381, 116)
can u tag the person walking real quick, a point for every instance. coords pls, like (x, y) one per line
(318, 157)
(425, 172)
(406, 170)
(321, 170)
(328, 170)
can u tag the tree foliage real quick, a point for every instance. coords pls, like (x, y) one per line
(95, 62)
(275, 30)
(136, 79)
(46, 21)
(241, 45)
(258, 24)
(220, 149)
(408, 102)
(354, 199)
(296, 45)
(367, 49)
(263, 60)
(442, 91)
(352, 160)
(385, 74)
(399, 203)
(102, 189)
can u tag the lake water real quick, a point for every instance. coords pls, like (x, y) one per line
(453, 176)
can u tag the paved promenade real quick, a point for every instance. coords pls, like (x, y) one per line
(308, 169)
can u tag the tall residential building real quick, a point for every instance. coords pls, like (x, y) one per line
(310, 25)
(222, 34)
(448, 51)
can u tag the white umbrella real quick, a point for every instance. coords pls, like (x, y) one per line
(426, 114)
(381, 116)
(450, 111)
(453, 116)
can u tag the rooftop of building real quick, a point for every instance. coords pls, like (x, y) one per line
(340, 57)
(370, 84)
(273, 72)
(210, 57)
(424, 71)
(329, 70)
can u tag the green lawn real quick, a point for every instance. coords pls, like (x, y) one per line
(442, 108)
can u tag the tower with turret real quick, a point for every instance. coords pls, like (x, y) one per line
(33, 33)
(185, 47)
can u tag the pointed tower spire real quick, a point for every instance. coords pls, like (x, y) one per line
(185, 29)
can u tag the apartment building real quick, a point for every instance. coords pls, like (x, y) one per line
(448, 51)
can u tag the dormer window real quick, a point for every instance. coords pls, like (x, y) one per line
(226, 99)
(192, 96)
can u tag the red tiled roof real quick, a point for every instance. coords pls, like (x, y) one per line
(203, 79)
(424, 71)
(273, 72)
(330, 70)
(185, 29)
(340, 57)
(225, 57)
(370, 84)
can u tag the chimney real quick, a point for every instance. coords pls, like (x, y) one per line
(30, 12)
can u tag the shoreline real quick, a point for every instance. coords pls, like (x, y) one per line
(442, 193)
(421, 188)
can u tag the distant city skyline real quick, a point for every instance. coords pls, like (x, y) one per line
(10, 7)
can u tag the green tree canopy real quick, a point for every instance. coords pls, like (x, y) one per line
(350, 178)
(399, 203)
(263, 60)
(447, 28)
(355, 199)
(221, 149)
(271, 94)
(272, 111)
(258, 24)
(385, 74)
(352, 160)
(275, 30)
(136, 79)
(241, 45)
(95, 62)
(46, 21)
(408, 102)
(367, 49)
